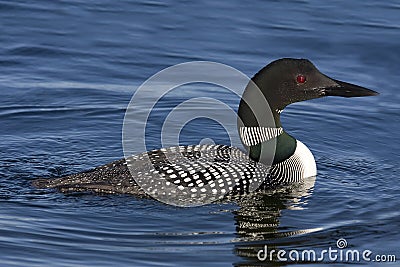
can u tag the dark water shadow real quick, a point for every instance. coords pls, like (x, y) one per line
(258, 222)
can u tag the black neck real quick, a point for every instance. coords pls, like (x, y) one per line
(285, 146)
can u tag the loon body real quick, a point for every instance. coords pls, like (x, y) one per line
(223, 168)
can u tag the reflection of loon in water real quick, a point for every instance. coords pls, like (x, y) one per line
(258, 219)
(281, 82)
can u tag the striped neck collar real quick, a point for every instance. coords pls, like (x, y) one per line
(254, 135)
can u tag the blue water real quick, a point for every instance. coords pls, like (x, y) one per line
(69, 68)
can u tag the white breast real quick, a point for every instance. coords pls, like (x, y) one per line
(309, 166)
(297, 167)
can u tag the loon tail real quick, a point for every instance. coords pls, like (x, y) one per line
(113, 177)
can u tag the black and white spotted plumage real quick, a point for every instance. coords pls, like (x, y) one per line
(196, 173)
(190, 175)
(177, 170)
(186, 173)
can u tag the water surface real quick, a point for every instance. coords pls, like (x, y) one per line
(69, 69)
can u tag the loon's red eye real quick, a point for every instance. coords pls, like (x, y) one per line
(301, 78)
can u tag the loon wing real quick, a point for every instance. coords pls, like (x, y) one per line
(198, 168)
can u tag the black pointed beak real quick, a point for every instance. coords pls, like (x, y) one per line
(348, 90)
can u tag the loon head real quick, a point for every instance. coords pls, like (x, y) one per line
(288, 80)
(283, 82)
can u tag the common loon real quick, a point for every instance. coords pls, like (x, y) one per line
(224, 168)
